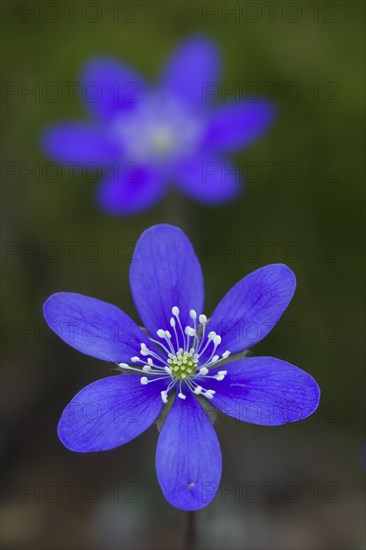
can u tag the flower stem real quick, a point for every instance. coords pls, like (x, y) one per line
(176, 209)
(189, 541)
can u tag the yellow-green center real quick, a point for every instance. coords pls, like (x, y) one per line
(183, 364)
(162, 142)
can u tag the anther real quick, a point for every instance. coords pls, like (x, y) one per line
(144, 350)
(190, 331)
(217, 340)
(144, 381)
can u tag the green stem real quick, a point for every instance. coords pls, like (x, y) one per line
(176, 209)
(190, 534)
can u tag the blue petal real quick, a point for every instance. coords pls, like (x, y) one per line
(236, 125)
(209, 179)
(165, 272)
(93, 327)
(130, 189)
(188, 456)
(110, 87)
(253, 306)
(109, 413)
(78, 142)
(265, 391)
(193, 65)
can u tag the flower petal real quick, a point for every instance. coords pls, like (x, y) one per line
(93, 327)
(194, 65)
(130, 189)
(235, 125)
(266, 391)
(165, 272)
(253, 306)
(188, 456)
(209, 179)
(109, 87)
(109, 413)
(78, 142)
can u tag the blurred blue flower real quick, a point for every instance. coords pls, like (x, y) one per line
(178, 364)
(144, 139)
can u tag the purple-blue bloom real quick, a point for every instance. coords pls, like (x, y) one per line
(146, 138)
(181, 361)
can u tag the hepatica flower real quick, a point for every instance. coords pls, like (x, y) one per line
(144, 138)
(180, 362)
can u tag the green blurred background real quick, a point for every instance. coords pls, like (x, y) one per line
(306, 212)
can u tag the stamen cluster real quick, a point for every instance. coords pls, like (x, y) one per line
(178, 357)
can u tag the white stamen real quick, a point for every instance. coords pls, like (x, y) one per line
(146, 368)
(197, 390)
(226, 354)
(217, 340)
(164, 396)
(190, 331)
(144, 381)
(135, 359)
(209, 394)
(193, 314)
(202, 319)
(144, 351)
(175, 311)
(203, 370)
(181, 395)
(161, 333)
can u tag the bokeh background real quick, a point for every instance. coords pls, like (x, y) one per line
(294, 487)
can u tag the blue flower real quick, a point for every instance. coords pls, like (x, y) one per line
(144, 139)
(180, 363)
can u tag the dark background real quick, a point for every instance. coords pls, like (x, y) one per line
(292, 487)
